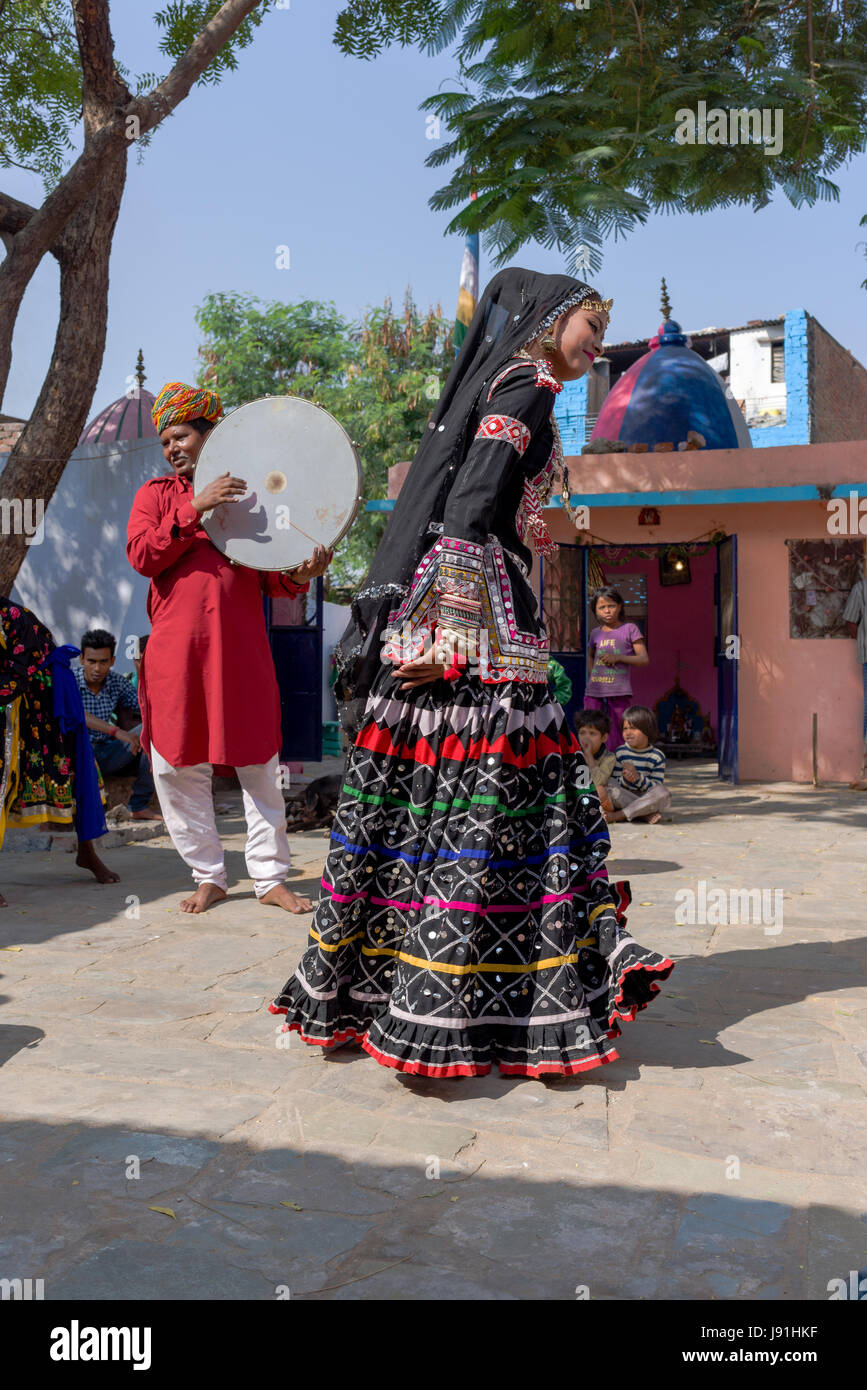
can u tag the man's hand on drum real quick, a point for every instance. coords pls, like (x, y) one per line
(222, 489)
(312, 568)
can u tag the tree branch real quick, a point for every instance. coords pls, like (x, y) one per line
(159, 103)
(13, 214)
(101, 85)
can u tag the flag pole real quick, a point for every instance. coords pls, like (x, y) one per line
(468, 291)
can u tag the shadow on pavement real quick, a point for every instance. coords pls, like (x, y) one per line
(292, 1221)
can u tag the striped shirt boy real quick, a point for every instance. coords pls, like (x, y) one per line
(649, 763)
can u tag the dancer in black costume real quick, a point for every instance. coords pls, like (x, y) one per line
(466, 917)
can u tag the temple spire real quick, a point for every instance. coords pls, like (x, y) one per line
(140, 371)
(665, 303)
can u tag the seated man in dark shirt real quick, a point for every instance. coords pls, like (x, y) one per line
(104, 693)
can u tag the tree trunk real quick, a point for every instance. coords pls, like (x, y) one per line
(38, 459)
(76, 222)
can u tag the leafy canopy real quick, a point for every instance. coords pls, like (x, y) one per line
(380, 378)
(41, 79)
(563, 115)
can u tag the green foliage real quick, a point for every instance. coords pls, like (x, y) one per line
(380, 378)
(568, 134)
(182, 20)
(40, 85)
(41, 81)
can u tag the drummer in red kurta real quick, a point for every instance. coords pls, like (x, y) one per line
(207, 685)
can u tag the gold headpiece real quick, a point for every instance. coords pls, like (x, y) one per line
(600, 305)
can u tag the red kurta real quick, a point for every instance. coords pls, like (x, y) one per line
(207, 688)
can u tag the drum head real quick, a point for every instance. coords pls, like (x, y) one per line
(303, 481)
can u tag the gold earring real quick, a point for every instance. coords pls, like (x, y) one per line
(548, 341)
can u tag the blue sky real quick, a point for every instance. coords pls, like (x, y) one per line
(324, 154)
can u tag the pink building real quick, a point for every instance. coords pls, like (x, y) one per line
(771, 557)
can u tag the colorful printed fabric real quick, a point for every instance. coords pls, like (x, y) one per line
(178, 402)
(466, 918)
(36, 774)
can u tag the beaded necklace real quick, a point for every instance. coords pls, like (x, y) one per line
(559, 457)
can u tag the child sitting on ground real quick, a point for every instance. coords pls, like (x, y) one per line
(592, 727)
(636, 790)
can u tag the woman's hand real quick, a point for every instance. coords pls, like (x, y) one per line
(222, 489)
(421, 671)
(608, 658)
(312, 568)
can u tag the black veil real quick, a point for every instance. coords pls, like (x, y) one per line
(516, 306)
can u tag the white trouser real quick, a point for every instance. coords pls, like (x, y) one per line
(187, 804)
(637, 804)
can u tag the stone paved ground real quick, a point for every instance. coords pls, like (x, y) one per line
(721, 1157)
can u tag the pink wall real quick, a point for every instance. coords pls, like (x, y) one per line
(680, 619)
(781, 466)
(781, 680)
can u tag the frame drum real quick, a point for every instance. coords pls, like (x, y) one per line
(303, 477)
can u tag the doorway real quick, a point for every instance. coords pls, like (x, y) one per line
(683, 597)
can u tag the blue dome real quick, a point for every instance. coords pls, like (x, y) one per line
(669, 392)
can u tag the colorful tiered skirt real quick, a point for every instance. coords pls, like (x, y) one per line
(466, 917)
(36, 772)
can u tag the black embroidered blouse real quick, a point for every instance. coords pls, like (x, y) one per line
(472, 584)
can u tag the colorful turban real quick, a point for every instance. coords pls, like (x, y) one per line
(178, 402)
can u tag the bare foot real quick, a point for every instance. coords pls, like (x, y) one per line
(144, 815)
(611, 816)
(204, 897)
(281, 896)
(87, 858)
(655, 818)
(859, 786)
(3, 902)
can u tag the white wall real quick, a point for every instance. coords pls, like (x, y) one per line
(78, 576)
(750, 370)
(335, 616)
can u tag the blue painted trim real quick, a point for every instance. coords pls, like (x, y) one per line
(796, 429)
(700, 497)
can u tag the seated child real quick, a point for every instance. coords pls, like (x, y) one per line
(592, 727)
(636, 790)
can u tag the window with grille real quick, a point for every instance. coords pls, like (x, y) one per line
(778, 362)
(561, 598)
(821, 577)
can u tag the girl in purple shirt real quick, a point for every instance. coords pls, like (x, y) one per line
(614, 646)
